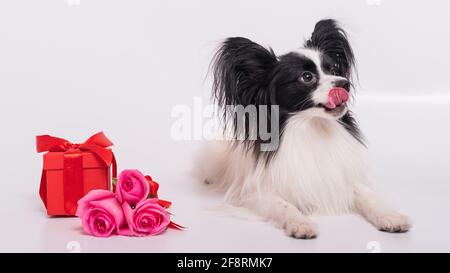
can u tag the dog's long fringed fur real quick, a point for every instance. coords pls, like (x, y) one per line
(320, 163)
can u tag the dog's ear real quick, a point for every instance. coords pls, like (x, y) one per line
(240, 69)
(332, 40)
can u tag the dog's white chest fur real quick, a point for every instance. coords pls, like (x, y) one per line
(317, 168)
(317, 165)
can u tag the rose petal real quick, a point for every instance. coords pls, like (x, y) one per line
(113, 206)
(149, 210)
(107, 220)
(128, 213)
(83, 203)
(90, 218)
(139, 190)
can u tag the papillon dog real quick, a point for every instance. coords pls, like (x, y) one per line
(318, 164)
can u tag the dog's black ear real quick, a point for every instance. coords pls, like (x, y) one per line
(240, 68)
(332, 40)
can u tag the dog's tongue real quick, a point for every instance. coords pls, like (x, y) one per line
(336, 97)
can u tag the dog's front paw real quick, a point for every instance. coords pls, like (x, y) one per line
(301, 229)
(393, 222)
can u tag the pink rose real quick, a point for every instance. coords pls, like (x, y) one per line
(101, 213)
(132, 187)
(148, 218)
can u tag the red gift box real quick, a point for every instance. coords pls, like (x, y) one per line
(70, 171)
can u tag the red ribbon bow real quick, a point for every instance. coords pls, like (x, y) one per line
(97, 144)
(73, 182)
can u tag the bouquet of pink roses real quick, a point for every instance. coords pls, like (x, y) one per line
(132, 210)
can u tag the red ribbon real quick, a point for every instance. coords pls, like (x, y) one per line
(154, 186)
(73, 165)
(176, 226)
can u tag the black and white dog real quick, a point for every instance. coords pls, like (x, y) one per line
(319, 165)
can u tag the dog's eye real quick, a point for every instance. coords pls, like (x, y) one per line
(308, 77)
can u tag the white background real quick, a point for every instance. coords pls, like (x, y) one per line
(72, 68)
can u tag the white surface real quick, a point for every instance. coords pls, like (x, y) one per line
(121, 67)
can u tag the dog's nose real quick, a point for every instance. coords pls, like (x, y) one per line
(343, 83)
